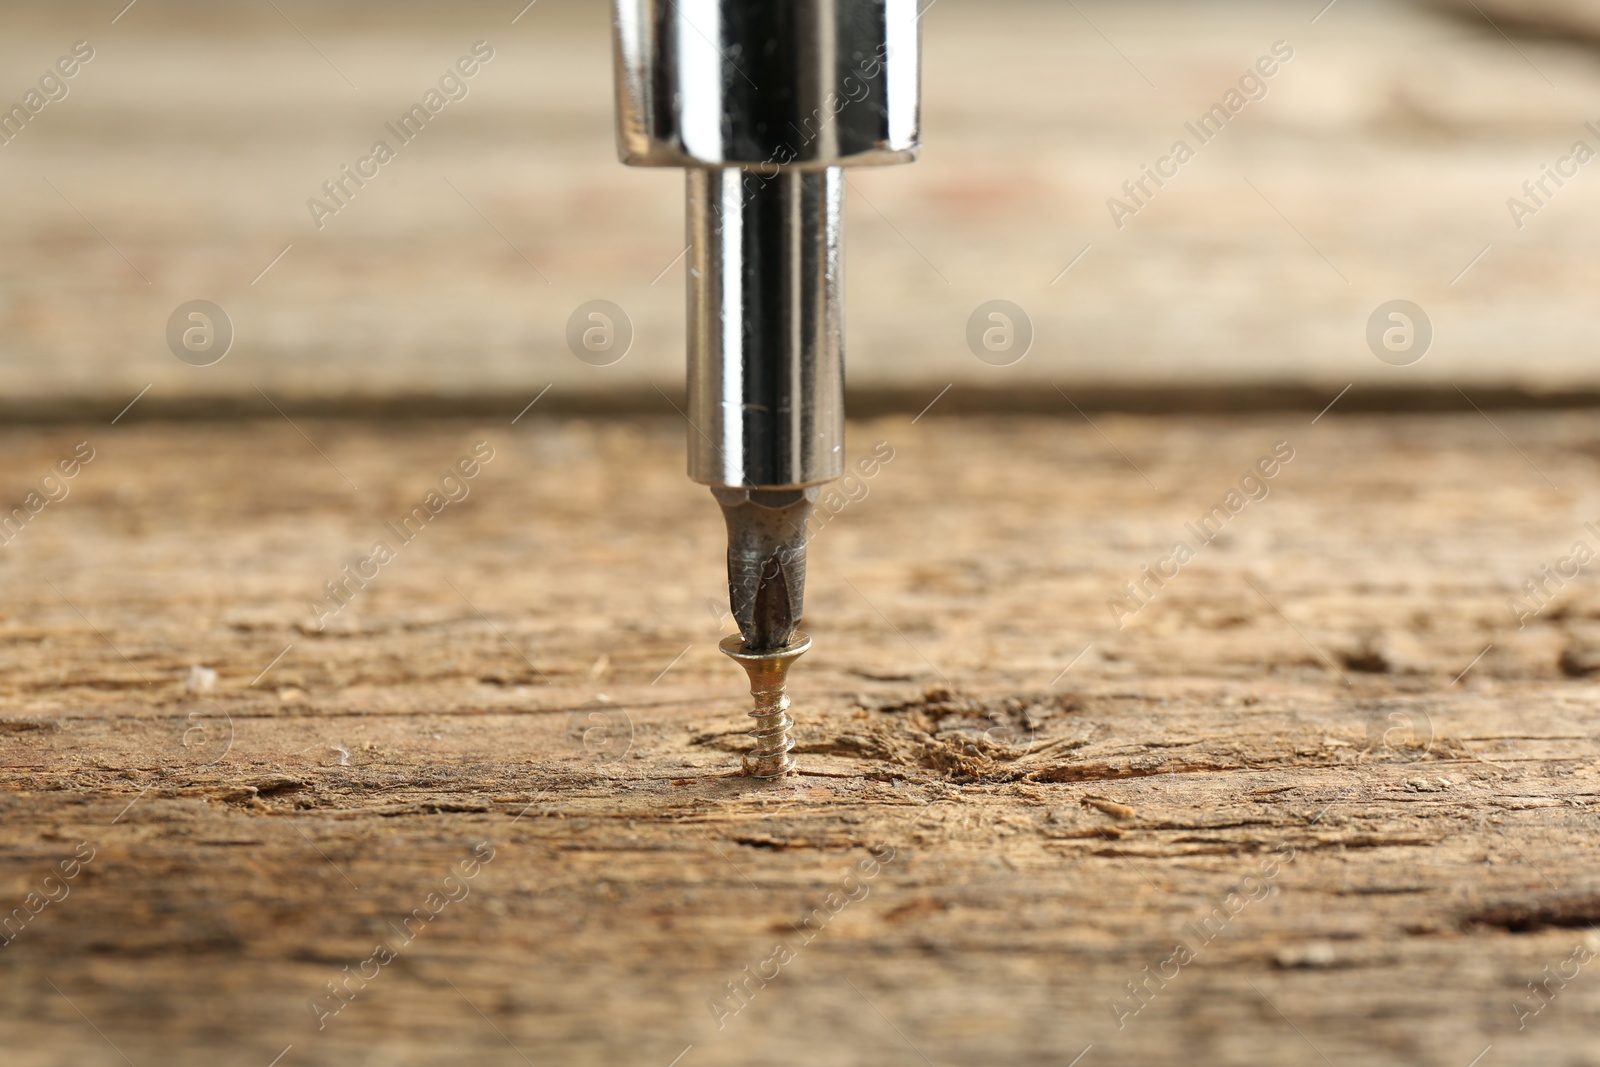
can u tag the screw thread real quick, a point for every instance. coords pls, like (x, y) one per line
(770, 755)
(768, 672)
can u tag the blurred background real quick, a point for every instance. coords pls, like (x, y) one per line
(1377, 166)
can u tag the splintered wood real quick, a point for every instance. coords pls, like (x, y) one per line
(414, 746)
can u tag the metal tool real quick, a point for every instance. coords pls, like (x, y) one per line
(763, 101)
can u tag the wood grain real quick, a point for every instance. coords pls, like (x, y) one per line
(1283, 762)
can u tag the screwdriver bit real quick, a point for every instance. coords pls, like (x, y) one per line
(763, 102)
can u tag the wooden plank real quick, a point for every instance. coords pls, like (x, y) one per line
(995, 831)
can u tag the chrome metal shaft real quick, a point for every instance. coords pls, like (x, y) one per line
(773, 83)
(766, 328)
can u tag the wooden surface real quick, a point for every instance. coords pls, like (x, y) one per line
(1305, 717)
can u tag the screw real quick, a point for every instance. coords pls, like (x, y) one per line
(769, 674)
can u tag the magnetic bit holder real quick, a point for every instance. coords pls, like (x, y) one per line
(763, 102)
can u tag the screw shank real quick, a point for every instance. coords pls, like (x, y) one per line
(768, 673)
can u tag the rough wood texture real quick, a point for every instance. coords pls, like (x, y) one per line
(1290, 720)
